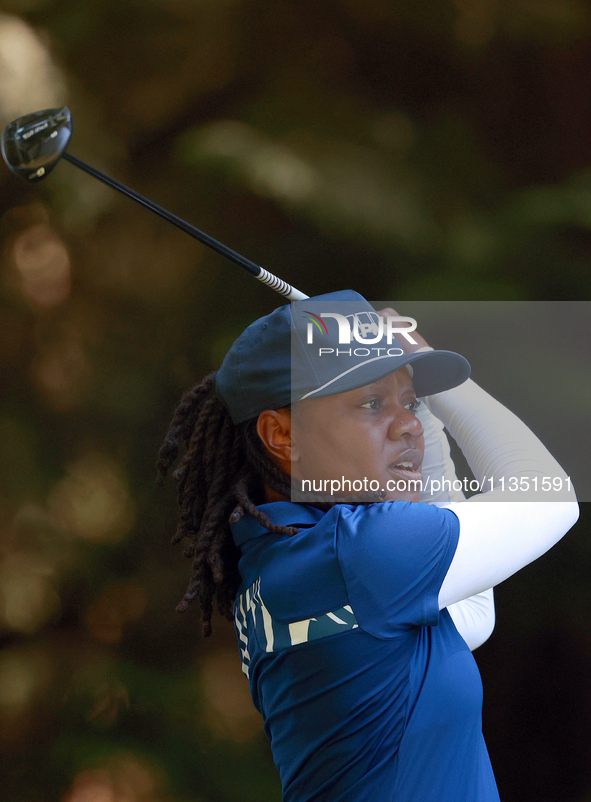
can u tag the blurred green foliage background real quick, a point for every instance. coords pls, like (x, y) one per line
(425, 150)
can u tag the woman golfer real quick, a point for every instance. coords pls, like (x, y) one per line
(356, 608)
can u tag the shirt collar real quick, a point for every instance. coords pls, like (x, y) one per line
(283, 513)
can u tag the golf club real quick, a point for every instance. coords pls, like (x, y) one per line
(33, 145)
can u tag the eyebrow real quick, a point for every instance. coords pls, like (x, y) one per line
(378, 384)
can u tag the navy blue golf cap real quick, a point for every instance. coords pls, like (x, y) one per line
(322, 346)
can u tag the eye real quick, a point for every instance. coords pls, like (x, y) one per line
(374, 403)
(413, 405)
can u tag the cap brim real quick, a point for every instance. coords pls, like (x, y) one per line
(433, 372)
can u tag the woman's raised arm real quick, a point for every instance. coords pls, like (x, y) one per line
(473, 617)
(502, 529)
(527, 505)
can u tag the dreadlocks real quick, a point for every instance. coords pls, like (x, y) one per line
(221, 476)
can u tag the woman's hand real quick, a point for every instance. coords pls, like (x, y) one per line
(407, 347)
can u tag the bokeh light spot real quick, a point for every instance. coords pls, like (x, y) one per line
(28, 78)
(43, 265)
(22, 674)
(93, 500)
(125, 778)
(61, 370)
(28, 598)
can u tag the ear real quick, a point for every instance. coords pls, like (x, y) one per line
(274, 429)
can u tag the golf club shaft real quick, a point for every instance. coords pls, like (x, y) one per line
(255, 270)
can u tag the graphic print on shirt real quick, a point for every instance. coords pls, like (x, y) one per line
(252, 616)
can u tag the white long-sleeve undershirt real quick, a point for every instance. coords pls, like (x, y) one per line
(474, 617)
(500, 532)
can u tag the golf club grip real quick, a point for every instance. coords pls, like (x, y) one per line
(280, 286)
(277, 284)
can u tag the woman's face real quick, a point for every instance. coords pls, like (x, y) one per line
(368, 434)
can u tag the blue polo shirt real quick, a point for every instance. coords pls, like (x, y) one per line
(366, 689)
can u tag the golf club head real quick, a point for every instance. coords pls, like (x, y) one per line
(33, 145)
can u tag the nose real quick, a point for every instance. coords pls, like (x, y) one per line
(404, 423)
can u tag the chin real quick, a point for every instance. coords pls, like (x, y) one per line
(413, 497)
(404, 485)
(402, 495)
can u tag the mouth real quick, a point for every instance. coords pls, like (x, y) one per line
(408, 467)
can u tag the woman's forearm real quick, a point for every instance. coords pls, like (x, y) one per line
(528, 502)
(501, 530)
(474, 618)
(439, 473)
(500, 448)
